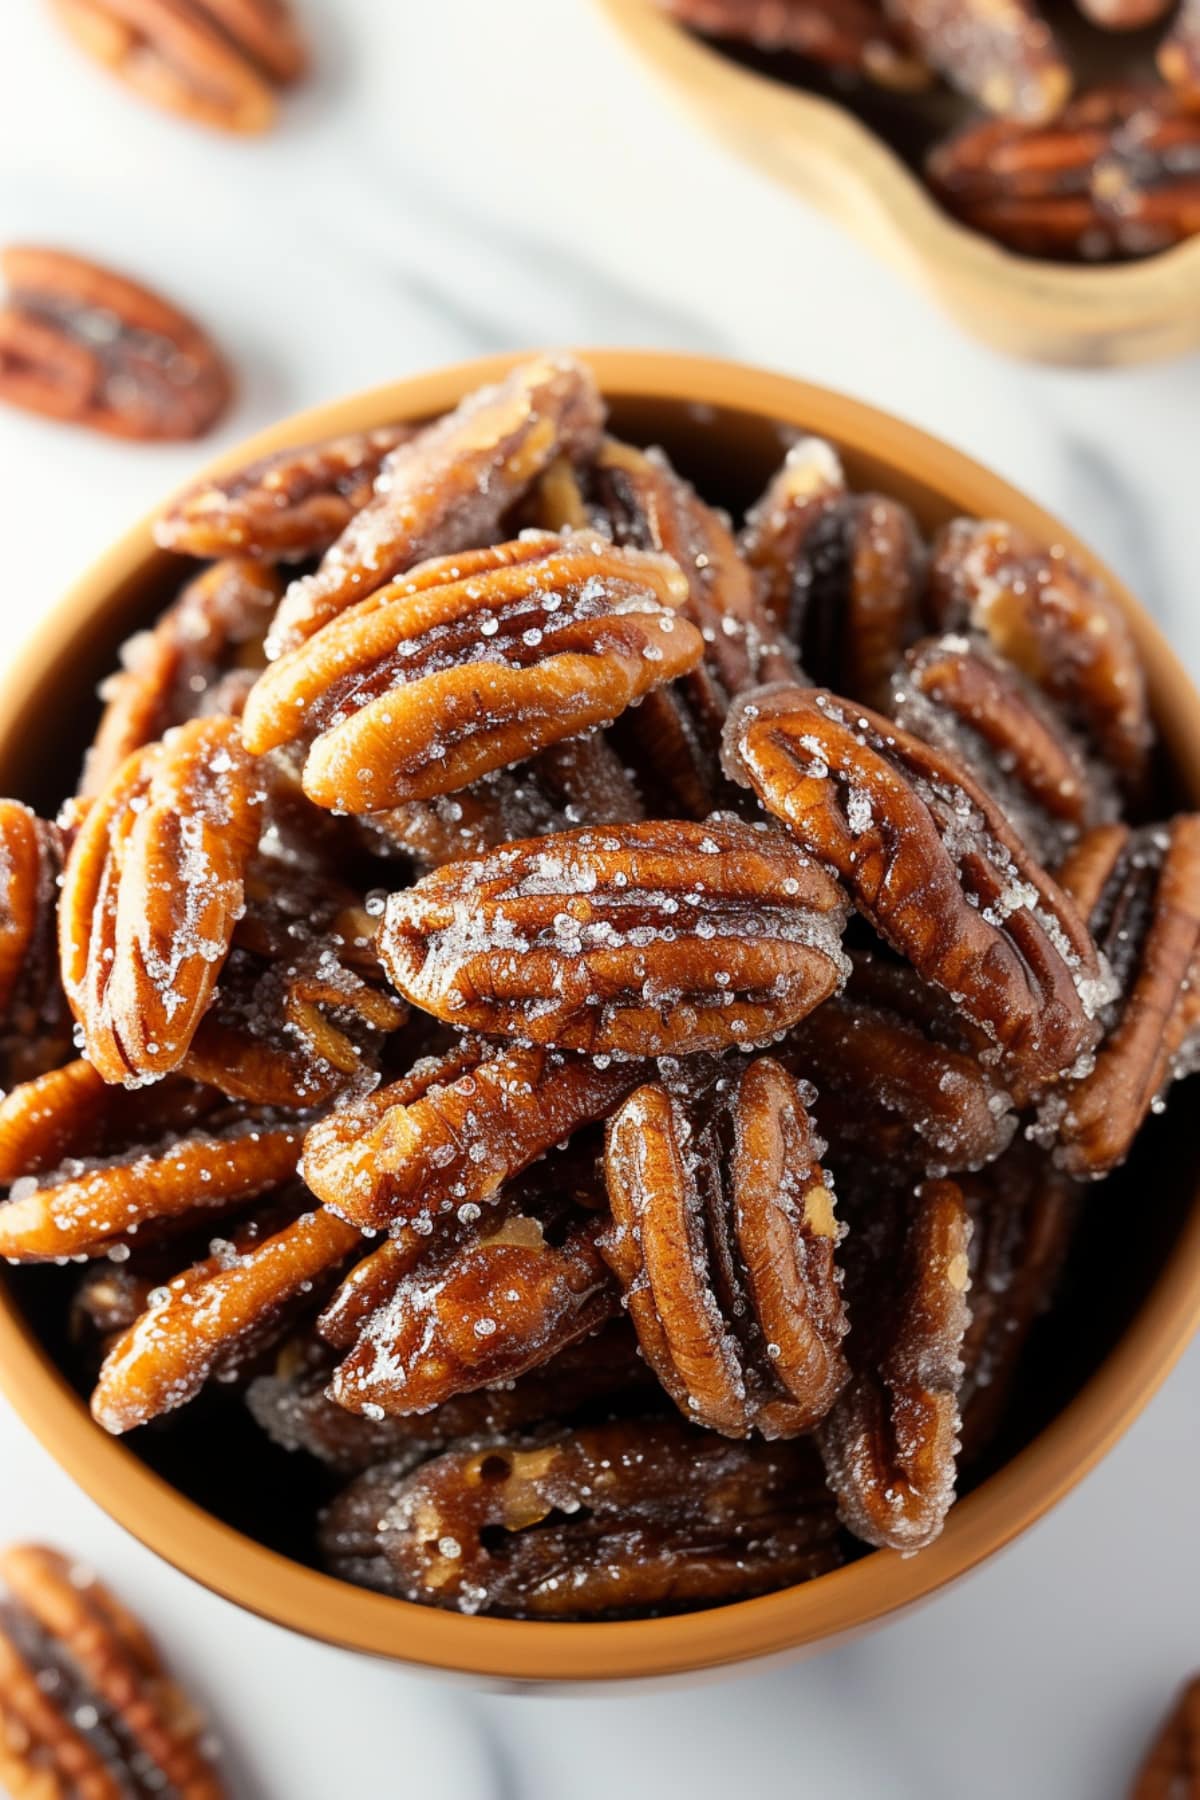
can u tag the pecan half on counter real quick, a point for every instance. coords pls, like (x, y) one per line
(633, 1173)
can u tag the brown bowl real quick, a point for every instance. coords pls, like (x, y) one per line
(214, 1502)
(1051, 312)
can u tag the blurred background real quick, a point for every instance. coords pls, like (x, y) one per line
(468, 177)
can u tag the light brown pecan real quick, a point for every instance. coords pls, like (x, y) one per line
(151, 892)
(86, 345)
(1171, 1770)
(1179, 53)
(1116, 175)
(471, 663)
(212, 61)
(1000, 52)
(454, 1131)
(658, 938)
(852, 37)
(890, 1442)
(448, 488)
(1124, 15)
(88, 1710)
(174, 672)
(723, 1238)
(1140, 892)
(286, 507)
(932, 863)
(611, 1520)
(34, 1020)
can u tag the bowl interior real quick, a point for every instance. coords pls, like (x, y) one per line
(214, 1456)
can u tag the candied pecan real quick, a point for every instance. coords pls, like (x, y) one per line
(1179, 53)
(1124, 15)
(172, 673)
(1117, 175)
(86, 345)
(723, 1238)
(959, 697)
(852, 37)
(1000, 52)
(286, 507)
(448, 488)
(890, 1442)
(635, 1517)
(1140, 891)
(34, 1020)
(637, 940)
(1171, 1770)
(211, 61)
(455, 1130)
(88, 1709)
(215, 1315)
(57, 1114)
(932, 863)
(471, 663)
(677, 771)
(807, 482)
(151, 892)
(84, 1207)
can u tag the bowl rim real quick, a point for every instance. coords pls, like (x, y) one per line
(1158, 285)
(816, 1614)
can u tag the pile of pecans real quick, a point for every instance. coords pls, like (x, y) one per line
(1061, 167)
(595, 1026)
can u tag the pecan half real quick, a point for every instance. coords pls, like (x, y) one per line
(723, 1238)
(454, 1131)
(34, 1020)
(890, 1442)
(611, 1520)
(87, 1706)
(807, 482)
(932, 863)
(1171, 1770)
(448, 488)
(1000, 52)
(1117, 175)
(1140, 891)
(472, 663)
(639, 940)
(150, 895)
(212, 61)
(1124, 15)
(86, 345)
(1179, 53)
(285, 507)
(852, 37)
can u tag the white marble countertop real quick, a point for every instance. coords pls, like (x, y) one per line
(467, 177)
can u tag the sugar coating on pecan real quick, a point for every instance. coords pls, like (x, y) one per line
(34, 1018)
(1000, 52)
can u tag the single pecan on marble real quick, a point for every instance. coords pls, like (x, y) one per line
(216, 62)
(1000, 52)
(633, 1517)
(639, 940)
(151, 893)
(1117, 174)
(88, 1708)
(34, 1020)
(449, 487)
(724, 1237)
(935, 867)
(851, 37)
(472, 662)
(1171, 1770)
(891, 1440)
(85, 345)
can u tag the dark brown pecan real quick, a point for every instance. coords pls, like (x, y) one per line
(1179, 53)
(471, 663)
(286, 507)
(88, 346)
(1171, 1770)
(953, 692)
(34, 1019)
(933, 864)
(211, 61)
(723, 1238)
(1140, 891)
(1117, 175)
(610, 1520)
(88, 1710)
(1000, 52)
(151, 892)
(639, 940)
(852, 37)
(454, 1131)
(890, 1442)
(806, 484)
(174, 672)
(448, 488)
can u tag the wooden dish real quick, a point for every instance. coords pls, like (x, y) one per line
(221, 1504)
(1114, 315)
